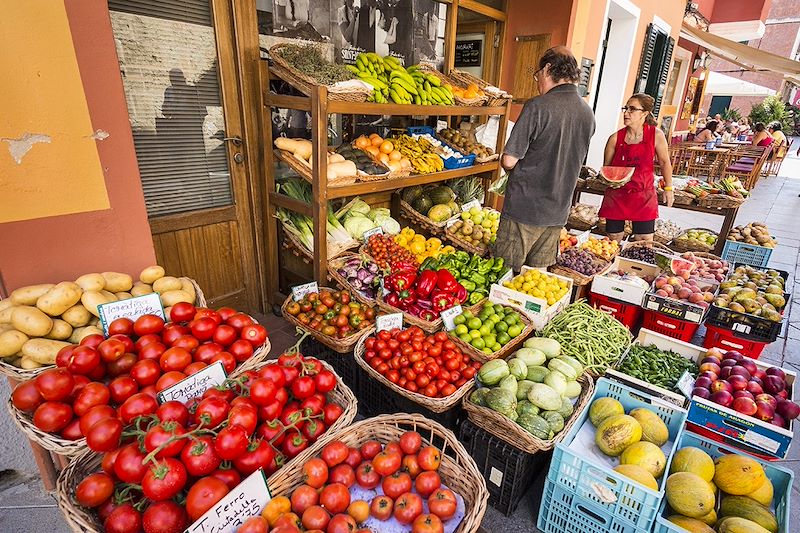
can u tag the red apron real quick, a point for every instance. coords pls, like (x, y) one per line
(637, 200)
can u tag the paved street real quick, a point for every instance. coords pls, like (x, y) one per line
(25, 507)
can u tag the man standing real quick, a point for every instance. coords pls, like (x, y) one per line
(544, 155)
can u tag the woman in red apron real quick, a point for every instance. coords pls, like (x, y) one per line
(636, 145)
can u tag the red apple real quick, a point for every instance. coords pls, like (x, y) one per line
(733, 354)
(787, 409)
(703, 381)
(701, 392)
(722, 397)
(754, 388)
(710, 375)
(710, 367)
(725, 373)
(773, 384)
(722, 385)
(764, 411)
(768, 398)
(746, 406)
(775, 371)
(750, 365)
(743, 394)
(779, 421)
(739, 370)
(737, 382)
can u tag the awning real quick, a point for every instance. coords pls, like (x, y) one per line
(745, 56)
(722, 85)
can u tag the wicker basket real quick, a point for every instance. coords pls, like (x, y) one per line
(457, 470)
(50, 442)
(509, 431)
(657, 246)
(434, 228)
(459, 100)
(21, 374)
(465, 78)
(596, 184)
(254, 361)
(344, 345)
(333, 272)
(481, 250)
(200, 298)
(683, 198)
(681, 244)
(437, 405)
(720, 201)
(399, 173)
(424, 325)
(291, 243)
(483, 357)
(305, 83)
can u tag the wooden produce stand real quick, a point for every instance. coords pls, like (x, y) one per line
(318, 104)
(728, 213)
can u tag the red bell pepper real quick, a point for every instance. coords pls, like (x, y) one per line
(407, 297)
(400, 281)
(392, 299)
(428, 316)
(443, 300)
(426, 282)
(401, 266)
(461, 293)
(445, 280)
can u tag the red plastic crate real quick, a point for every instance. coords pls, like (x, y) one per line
(630, 315)
(669, 326)
(726, 339)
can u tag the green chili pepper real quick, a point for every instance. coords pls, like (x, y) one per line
(478, 279)
(475, 297)
(468, 284)
(498, 264)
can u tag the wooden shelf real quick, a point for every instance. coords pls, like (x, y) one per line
(371, 108)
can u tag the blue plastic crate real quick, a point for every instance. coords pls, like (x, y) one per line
(421, 130)
(562, 511)
(596, 485)
(451, 162)
(781, 479)
(749, 254)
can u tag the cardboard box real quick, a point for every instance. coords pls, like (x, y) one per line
(623, 290)
(679, 309)
(534, 308)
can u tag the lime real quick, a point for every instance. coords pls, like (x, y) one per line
(510, 319)
(460, 319)
(483, 315)
(467, 314)
(499, 309)
(466, 337)
(478, 343)
(461, 329)
(515, 316)
(503, 338)
(501, 327)
(494, 317)
(474, 334)
(485, 330)
(496, 347)
(490, 339)
(487, 351)
(474, 323)
(514, 330)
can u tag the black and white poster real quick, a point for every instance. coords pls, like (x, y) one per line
(309, 20)
(429, 26)
(353, 25)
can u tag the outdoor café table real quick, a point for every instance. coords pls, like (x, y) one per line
(705, 162)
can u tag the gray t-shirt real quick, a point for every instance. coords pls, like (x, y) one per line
(551, 139)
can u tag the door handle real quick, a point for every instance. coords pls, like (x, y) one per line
(235, 140)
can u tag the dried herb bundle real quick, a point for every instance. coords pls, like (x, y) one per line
(308, 60)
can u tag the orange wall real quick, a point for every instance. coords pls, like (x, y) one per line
(54, 248)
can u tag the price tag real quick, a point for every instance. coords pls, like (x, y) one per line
(441, 125)
(374, 231)
(448, 315)
(248, 499)
(757, 439)
(133, 308)
(469, 205)
(685, 384)
(741, 328)
(389, 322)
(195, 385)
(301, 290)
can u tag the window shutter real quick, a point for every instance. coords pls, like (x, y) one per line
(664, 74)
(168, 60)
(645, 64)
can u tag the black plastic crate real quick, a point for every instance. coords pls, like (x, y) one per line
(343, 364)
(509, 472)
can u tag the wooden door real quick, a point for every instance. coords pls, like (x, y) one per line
(529, 49)
(199, 186)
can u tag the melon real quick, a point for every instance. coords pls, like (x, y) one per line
(439, 213)
(763, 494)
(647, 455)
(422, 204)
(638, 474)
(710, 518)
(735, 524)
(738, 475)
(616, 176)
(653, 428)
(616, 433)
(744, 507)
(441, 194)
(694, 460)
(689, 494)
(693, 525)
(410, 194)
(603, 408)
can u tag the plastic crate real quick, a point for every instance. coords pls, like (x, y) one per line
(630, 315)
(781, 479)
(561, 511)
(748, 254)
(343, 364)
(451, 162)
(669, 326)
(727, 339)
(508, 471)
(594, 484)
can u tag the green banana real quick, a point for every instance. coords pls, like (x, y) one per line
(376, 83)
(434, 80)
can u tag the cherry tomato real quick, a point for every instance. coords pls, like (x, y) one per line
(94, 489)
(244, 415)
(273, 373)
(262, 391)
(55, 384)
(199, 457)
(123, 519)
(332, 413)
(165, 517)
(325, 381)
(174, 411)
(293, 444)
(26, 396)
(313, 429)
(212, 411)
(104, 435)
(203, 495)
(164, 479)
(182, 312)
(271, 431)
(303, 387)
(52, 416)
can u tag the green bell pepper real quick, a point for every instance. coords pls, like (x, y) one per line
(475, 297)
(468, 284)
(478, 279)
(498, 264)
(461, 256)
(485, 266)
(474, 262)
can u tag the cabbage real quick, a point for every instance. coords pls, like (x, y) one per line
(378, 214)
(356, 225)
(359, 206)
(390, 225)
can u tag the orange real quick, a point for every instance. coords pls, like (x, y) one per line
(362, 142)
(472, 88)
(376, 141)
(405, 162)
(372, 150)
(275, 508)
(395, 156)
(373, 135)
(387, 147)
(394, 165)
(383, 158)
(359, 510)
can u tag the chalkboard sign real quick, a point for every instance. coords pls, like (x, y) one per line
(468, 53)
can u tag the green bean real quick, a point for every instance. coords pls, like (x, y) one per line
(662, 368)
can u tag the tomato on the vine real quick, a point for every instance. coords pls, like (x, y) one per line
(229, 476)
(199, 457)
(123, 519)
(273, 373)
(163, 434)
(325, 381)
(164, 479)
(332, 413)
(129, 465)
(303, 387)
(313, 429)
(231, 442)
(293, 444)
(140, 404)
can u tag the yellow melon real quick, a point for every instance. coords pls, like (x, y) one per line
(603, 408)
(638, 474)
(763, 494)
(737, 474)
(692, 525)
(653, 428)
(689, 494)
(647, 455)
(694, 460)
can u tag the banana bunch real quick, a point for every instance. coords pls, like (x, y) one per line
(427, 163)
(391, 82)
(429, 88)
(422, 155)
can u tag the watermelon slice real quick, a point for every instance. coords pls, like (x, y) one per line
(674, 264)
(616, 177)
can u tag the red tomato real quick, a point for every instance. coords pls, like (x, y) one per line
(199, 457)
(254, 524)
(255, 334)
(294, 443)
(158, 436)
(152, 351)
(366, 476)
(343, 474)
(175, 359)
(72, 431)
(208, 313)
(427, 523)
(139, 404)
(104, 435)
(335, 498)
(121, 366)
(99, 372)
(407, 508)
(26, 396)
(92, 341)
(410, 442)
(225, 335)
(146, 372)
(94, 489)
(123, 519)
(231, 442)
(165, 517)
(129, 466)
(443, 503)
(427, 482)
(273, 373)
(353, 458)
(173, 410)
(396, 484)
(370, 449)
(241, 350)
(63, 355)
(262, 391)
(144, 340)
(203, 495)
(212, 411)
(229, 476)
(271, 431)
(124, 339)
(109, 350)
(148, 324)
(342, 523)
(303, 497)
(96, 414)
(316, 517)
(164, 479)
(120, 326)
(244, 415)
(325, 381)
(334, 453)
(429, 458)
(303, 387)
(52, 416)
(381, 507)
(169, 379)
(239, 321)
(228, 361)
(206, 352)
(182, 312)
(55, 384)
(173, 332)
(411, 466)
(203, 328)
(332, 413)
(315, 473)
(91, 395)
(187, 342)
(387, 464)
(194, 368)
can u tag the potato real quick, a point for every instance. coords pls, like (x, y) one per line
(167, 311)
(78, 334)
(11, 342)
(28, 295)
(4, 326)
(31, 321)
(140, 289)
(61, 330)
(91, 299)
(167, 283)
(5, 314)
(76, 316)
(117, 282)
(91, 282)
(123, 295)
(170, 298)
(110, 295)
(43, 351)
(60, 298)
(151, 273)
(94, 321)
(26, 363)
(5, 304)
(188, 286)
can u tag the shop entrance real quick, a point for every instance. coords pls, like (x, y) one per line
(181, 70)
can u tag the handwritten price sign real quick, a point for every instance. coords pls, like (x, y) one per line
(132, 308)
(246, 500)
(194, 385)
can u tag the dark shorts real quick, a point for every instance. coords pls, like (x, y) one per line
(521, 244)
(639, 228)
